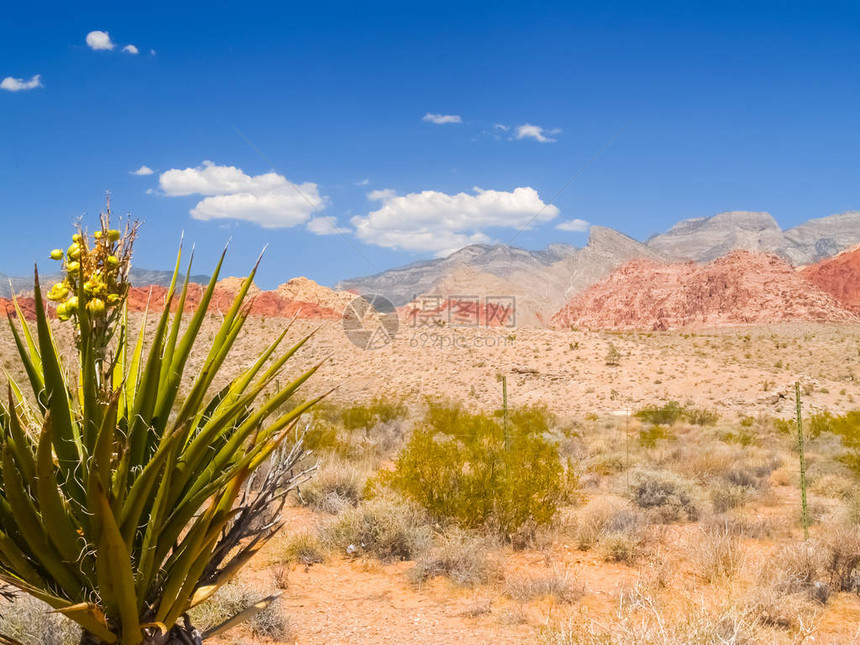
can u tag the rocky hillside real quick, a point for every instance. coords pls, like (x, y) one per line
(540, 281)
(838, 276)
(707, 238)
(743, 288)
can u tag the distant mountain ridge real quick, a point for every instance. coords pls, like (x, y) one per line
(544, 280)
(137, 277)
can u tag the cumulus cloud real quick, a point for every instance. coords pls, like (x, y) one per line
(142, 171)
(130, 49)
(439, 119)
(99, 40)
(19, 84)
(442, 223)
(573, 226)
(269, 200)
(325, 225)
(363, 182)
(536, 132)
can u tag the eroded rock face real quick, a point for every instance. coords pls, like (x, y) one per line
(838, 276)
(743, 288)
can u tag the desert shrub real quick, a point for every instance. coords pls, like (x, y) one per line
(556, 583)
(588, 524)
(718, 553)
(365, 417)
(666, 415)
(649, 436)
(336, 485)
(28, 620)
(701, 416)
(233, 598)
(460, 556)
(388, 529)
(669, 494)
(841, 558)
(623, 536)
(302, 548)
(726, 496)
(466, 468)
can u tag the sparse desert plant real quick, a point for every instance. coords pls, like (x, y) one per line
(726, 496)
(841, 557)
(667, 414)
(651, 435)
(337, 484)
(613, 356)
(667, 493)
(468, 468)
(701, 416)
(302, 548)
(232, 599)
(388, 529)
(624, 536)
(718, 553)
(31, 622)
(461, 556)
(122, 505)
(557, 583)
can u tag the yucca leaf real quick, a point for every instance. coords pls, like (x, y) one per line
(89, 616)
(114, 563)
(242, 616)
(57, 520)
(29, 358)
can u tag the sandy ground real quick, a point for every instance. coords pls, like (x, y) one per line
(743, 371)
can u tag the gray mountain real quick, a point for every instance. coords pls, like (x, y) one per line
(707, 238)
(137, 277)
(541, 281)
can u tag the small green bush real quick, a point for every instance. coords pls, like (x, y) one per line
(666, 415)
(466, 468)
(649, 436)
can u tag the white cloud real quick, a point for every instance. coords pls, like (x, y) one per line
(325, 225)
(536, 132)
(99, 40)
(573, 226)
(439, 119)
(19, 84)
(142, 171)
(130, 49)
(269, 200)
(502, 127)
(442, 223)
(363, 182)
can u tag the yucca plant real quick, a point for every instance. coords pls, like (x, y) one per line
(126, 495)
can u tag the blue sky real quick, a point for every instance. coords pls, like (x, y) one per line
(723, 106)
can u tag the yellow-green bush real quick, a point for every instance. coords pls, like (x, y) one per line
(470, 469)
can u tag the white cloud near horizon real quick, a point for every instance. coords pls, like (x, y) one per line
(574, 226)
(130, 49)
(11, 84)
(442, 223)
(325, 225)
(143, 171)
(99, 40)
(269, 200)
(440, 119)
(536, 132)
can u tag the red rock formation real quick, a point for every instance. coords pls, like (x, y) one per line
(838, 276)
(742, 288)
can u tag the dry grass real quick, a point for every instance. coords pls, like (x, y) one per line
(560, 584)
(460, 556)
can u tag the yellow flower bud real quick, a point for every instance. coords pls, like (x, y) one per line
(112, 262)
(58, 292)
(57, 254)
(113, 235)
(113, 298)
(62, 311)
(74, 251)
(73, 267)
(97, 235)
(72, 305)
(76, 237)
(96, 306)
